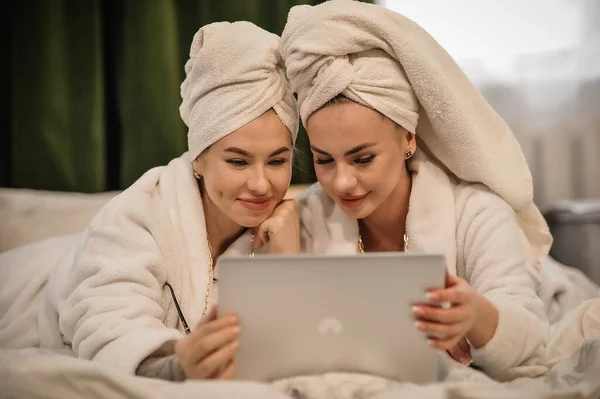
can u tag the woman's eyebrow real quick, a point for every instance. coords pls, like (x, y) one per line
(239, 151)
(316, 149)
(354, 150)
(280, 150)
(358, 148)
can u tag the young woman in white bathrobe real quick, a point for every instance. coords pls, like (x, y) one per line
(409, 157)
(136, 291)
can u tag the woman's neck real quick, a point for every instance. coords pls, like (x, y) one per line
(221, 230)
(383, 230)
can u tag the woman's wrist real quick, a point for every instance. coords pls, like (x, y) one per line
(284, 245)
(485, 323)
(164, 364)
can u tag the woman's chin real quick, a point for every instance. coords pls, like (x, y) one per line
(359, 212)
(251, 221)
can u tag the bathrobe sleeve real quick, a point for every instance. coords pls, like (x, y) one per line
(110, 309)
(492, 254)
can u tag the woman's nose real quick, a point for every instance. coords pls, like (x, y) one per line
(258, 183)
(345, 180)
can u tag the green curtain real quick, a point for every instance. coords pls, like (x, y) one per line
(94, 87)
(57, 124)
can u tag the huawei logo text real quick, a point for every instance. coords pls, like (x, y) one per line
(330, 325)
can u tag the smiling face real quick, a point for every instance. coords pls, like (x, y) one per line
(359, 155)
(247, 173)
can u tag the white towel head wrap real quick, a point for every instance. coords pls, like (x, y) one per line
(234, 75)
(384, 60)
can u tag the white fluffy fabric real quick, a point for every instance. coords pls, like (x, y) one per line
(234, 75)
(368, 53)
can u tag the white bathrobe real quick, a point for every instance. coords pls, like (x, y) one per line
(105, 298)
(483, 243)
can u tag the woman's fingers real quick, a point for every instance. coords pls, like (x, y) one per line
(281, 229)
(464, 346)
(208, 326)
(441, 331)
(452, 280)
(454, 314)
(444, 344)
(261, 235)
(211, 336)
(456, 353)
(229, 371)
(461, 352)
(457, 294)
(211, 364)
(212, 342)
(446, 326)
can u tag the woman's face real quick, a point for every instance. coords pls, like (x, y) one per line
(359, 155)
(247, 173)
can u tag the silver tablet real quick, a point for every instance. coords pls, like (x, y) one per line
(312, 314)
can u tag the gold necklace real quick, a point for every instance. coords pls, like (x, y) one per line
(210, 278)
(361, 247)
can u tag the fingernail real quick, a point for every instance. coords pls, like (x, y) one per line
(419, 325)
(417, 310)
(465, 361)
(432, 296)
(235, 344)
(236, 329)
(431, 342)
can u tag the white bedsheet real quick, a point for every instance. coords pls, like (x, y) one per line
(574, 360)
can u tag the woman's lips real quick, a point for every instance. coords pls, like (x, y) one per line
(258, 204)
(353, 201)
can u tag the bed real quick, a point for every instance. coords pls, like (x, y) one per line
(573, 356)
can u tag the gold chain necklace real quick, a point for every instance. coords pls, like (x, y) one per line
(210, 278)
(361, 247)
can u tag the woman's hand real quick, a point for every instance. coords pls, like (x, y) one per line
(210, 347)
(282, 229)
(470, 316)
(446, 326)
(461, 352)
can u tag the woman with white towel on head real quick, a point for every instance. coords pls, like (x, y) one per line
(142, 274)
(409, 157)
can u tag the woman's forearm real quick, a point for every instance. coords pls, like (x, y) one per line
(164, 368)
(486, 321)
(163, 364)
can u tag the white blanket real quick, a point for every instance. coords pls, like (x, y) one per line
(35, 374)
(108, 283)
(563, 288)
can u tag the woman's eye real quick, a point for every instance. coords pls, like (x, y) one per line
(277, 162)
(364, 160)
(237, 162)
(320, 161)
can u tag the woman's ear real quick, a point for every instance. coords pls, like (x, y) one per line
(407, 140)
(411, 141)
(197, 165)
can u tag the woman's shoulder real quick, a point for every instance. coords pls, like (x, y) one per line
(138, 197)
(135, 205)
(133, 199)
